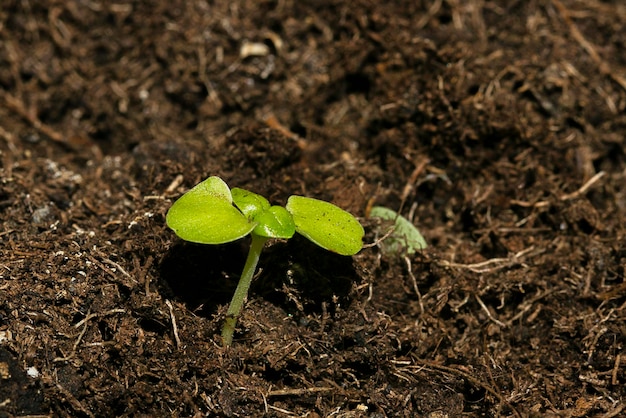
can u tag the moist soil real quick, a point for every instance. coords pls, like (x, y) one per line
(496, 127)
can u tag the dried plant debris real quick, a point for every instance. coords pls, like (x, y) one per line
(495, 127)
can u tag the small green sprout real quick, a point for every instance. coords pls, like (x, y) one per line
(403, 237)
(211, 213)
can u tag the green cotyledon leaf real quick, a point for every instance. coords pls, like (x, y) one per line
(205, 215)
(404, 237)
(275, 222)
(249, 203)
(327, 225)
(272, 221)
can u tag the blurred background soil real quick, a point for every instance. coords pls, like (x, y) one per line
(497, 127)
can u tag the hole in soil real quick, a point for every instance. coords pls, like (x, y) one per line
(105, 331)
(473, 89)
(352, 83)
(152, 325)
(444, 19)
(474, 394)
(357, 83)
(284, 375)
(363, 370)
(298, 129)
(77, 318)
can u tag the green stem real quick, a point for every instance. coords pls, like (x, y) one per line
(242, 289)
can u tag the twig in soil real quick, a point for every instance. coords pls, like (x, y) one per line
(426, 365)
(524, 204)
(17, 106)
(83, 322)
(265, 402)
(430, 13)
(509, 230)
(106, 260)
(174, 326)
(381, 239)
(299, 392)
(569, 196)
(412, 276)
(594, 334)
(9, 138)
(117, 266)
(178, 180)
(618, 359)
(34, 416)
(586, 45)
(97, 315)
(274, 123)
(75, 403)
(78, 340)
(410, 184)
(142, 272)
(526, 307)
(488, 312)
(6, 268)
(615, 412)
(283, 411)
(295, 392)
(584, 188)
(494, 264)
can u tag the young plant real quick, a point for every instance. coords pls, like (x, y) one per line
(206, 215)
(403, 237)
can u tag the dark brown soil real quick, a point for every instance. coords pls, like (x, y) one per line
(497, 126)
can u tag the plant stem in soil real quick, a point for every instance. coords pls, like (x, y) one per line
(256, 246)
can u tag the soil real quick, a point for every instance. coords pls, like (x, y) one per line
(496, 127)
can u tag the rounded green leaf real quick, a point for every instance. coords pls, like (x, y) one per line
(250, 204)
(205, 215)
(327, 225)
(404, 237)
(275, 222)
(213, 186)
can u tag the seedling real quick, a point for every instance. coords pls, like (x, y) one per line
(206, 215)
(404, 236)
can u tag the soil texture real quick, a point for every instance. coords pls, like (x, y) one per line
(496, 127)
